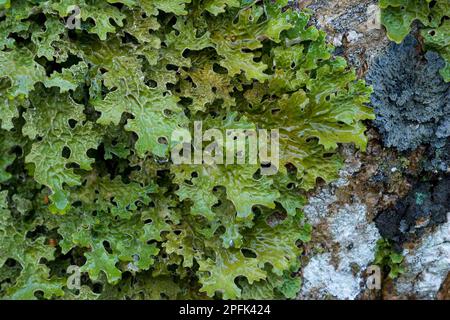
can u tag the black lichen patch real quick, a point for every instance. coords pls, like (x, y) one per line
(411, 100)
(424, 207)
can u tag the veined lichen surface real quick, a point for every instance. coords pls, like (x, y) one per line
(91, 96)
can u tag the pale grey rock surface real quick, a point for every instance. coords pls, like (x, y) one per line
(427, 265)
(338, 273)
(322, 280)
(356, 238)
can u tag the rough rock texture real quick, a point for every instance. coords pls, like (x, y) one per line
(340, 274)
(411, 100)
(381, 180)
(345, 236)
(353, 27)
(347, 248)
(427, 265)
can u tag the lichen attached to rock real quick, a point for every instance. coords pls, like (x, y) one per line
(425, 206)
(410, 98)
(428, 265)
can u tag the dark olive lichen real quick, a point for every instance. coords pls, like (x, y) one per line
(410, 98)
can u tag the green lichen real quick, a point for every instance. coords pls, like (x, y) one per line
(86, 123)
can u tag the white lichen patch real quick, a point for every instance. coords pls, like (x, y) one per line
(322, 280)
(338, 273)
(317, 208)
(356, 238)
(427, 265)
